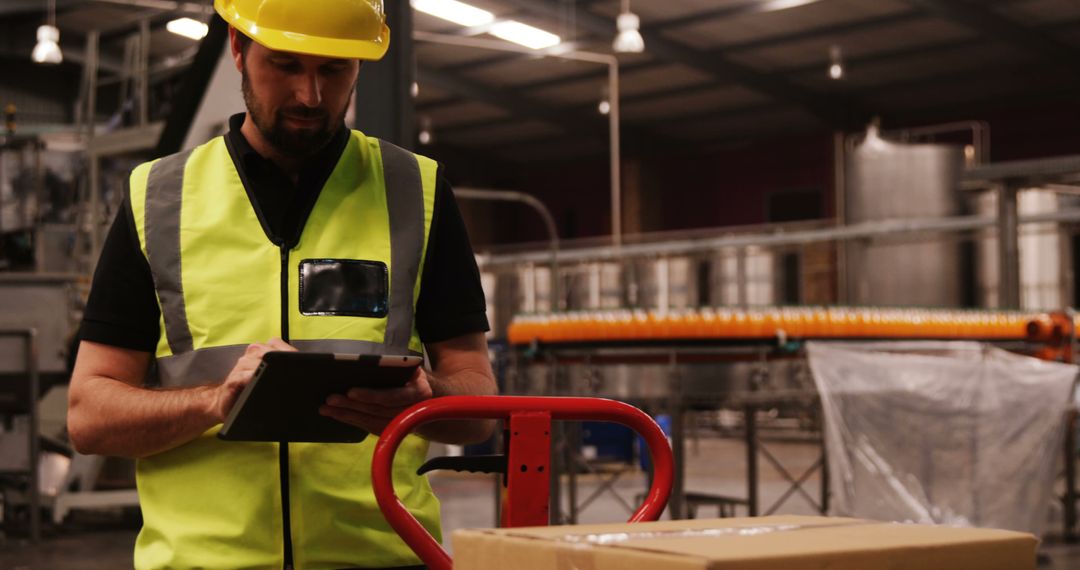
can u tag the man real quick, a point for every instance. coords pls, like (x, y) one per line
(218, 249)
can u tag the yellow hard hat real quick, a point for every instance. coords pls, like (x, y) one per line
(350, 29)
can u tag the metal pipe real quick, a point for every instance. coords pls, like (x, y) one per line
(613, 95)
(856, 231)
(840, 215)
(1008, 247)
(30, 356)
(144, 71)
(30, 336)
(545, 214)
(194, 8)
(980, 135)
(616, 162)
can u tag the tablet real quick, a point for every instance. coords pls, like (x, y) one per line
(281, 403)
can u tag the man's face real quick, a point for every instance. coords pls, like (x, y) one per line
(297, 101)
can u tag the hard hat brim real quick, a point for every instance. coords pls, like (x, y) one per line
(314, 45)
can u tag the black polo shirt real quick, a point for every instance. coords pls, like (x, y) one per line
(123, 311)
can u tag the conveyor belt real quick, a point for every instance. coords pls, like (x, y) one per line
(786, 322)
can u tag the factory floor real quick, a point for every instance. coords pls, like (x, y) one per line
(103, 540)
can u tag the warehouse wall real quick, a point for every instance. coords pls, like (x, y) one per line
(732, 186)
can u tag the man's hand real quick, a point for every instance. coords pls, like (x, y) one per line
(227, 392)
(372, 410)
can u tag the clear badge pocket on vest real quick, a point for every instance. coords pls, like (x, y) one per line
(344, 287)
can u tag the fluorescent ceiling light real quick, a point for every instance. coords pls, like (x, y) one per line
(188, 28)
(459, 13)
(774, 5)
(523, 34)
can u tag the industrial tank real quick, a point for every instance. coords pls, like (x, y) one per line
(1045, 252)
(891, 181)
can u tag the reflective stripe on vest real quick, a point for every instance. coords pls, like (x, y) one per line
(215, 504)
(163, 206)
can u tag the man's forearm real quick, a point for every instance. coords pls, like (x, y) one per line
(461, 383)
(108, 417)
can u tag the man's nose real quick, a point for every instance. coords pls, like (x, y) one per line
(307, 91)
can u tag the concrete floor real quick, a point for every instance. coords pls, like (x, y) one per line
(103, 540)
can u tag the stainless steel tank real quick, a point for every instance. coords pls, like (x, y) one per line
(663, 283)
(1045, 252)
(593, 285)
(891, 181)
(742, 276)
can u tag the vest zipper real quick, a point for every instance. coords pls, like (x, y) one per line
(283, 447)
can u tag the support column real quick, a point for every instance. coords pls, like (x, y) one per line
(384, 104)
(1008, 247)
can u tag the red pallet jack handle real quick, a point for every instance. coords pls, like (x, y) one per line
(529, 424)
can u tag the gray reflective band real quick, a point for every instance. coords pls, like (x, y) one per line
(198, 367)
(212, 365)
(164, 191)
(405, 202)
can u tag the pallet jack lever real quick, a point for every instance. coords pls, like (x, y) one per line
(472, 464)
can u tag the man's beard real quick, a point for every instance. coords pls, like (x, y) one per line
(300, 143)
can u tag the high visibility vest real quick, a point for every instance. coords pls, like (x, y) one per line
(222, 284)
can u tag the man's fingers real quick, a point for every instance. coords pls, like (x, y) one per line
(400, 397)
(278, 344)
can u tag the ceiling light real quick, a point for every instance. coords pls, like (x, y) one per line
(425, 136)
(414, 91)
(604, 107)
(188, 28)
(629, 39)
(47, 49)
(459, 13)
(523, 34)
(836, 63)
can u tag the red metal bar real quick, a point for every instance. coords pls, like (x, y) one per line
(501, 407)
(528, 469)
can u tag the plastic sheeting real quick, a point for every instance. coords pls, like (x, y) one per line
(952, 433)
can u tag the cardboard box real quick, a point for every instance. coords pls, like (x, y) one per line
(763, 543)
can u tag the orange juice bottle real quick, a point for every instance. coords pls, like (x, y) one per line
(724, 326)
(706, 323)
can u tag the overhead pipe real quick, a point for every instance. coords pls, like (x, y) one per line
(613, 98)
(545, 214)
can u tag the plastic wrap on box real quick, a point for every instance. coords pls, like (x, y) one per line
(954, 433)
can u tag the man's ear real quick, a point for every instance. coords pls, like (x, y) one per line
(237, 50)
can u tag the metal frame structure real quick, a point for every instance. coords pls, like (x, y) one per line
(29, 338)
(556, 356)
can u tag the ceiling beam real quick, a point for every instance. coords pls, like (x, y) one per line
(826, 109)
(743, 8)
(975, 16)
(521, 107)
(9, 8)
(585, 123)
(808, 34)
